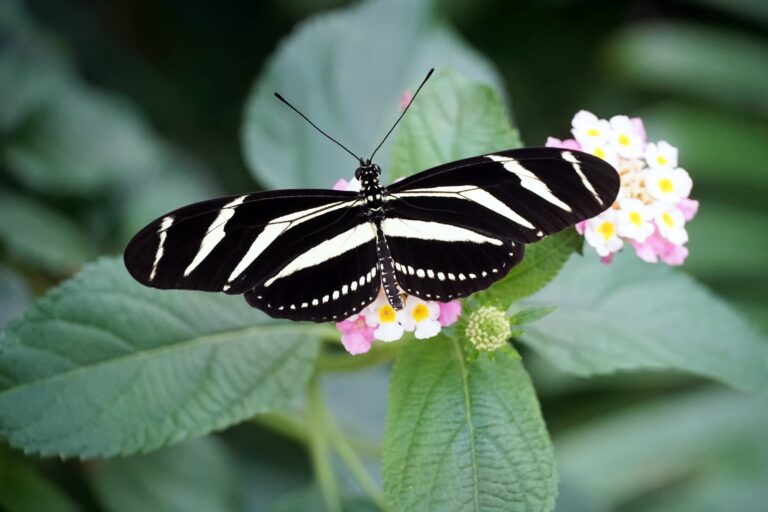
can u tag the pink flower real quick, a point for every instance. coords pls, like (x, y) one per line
(341, 184)
(564, 144)
(356, 334)
(607, 259)
(405, 99)
(657, 247)
(689, 207)
(449, 312)
(675, 254)
(347, 186)
(581, 227)
(639, 128)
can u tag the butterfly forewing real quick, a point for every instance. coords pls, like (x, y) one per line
(522, 194)
(459, 227)
(231, 244)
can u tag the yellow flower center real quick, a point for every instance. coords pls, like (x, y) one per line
(593, 132)
(661, 160)
(668, 220)
(666, 185)
(635, 218)
(606, 229)
(624, 140)
(386, 314)
(420, 312)
(599, 153)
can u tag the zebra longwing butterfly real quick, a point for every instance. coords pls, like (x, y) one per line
(322, 255)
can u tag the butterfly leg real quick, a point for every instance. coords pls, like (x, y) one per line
(387, 270)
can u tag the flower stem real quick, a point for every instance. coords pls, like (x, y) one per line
(292, 426)
(286, 424)
(342, 362)
(319, 448)
(323, 435)
(353, 463)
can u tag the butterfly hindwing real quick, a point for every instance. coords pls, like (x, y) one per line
(435, 261)
(329, 282)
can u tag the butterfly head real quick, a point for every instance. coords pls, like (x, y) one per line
(368, 173)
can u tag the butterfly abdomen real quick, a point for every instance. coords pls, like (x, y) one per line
(387, 270)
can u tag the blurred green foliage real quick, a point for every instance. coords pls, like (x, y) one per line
(113, 113)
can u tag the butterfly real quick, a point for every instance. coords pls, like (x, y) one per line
(324, 255)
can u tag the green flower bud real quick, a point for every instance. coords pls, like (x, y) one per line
(488, 329)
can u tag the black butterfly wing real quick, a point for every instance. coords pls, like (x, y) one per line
(459, 227)
(330, 281)
(234, 244)
(439, 261)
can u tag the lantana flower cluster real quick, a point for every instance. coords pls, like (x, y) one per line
(380, 321)
(653, 204)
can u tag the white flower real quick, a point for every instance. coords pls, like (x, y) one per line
(669, 186)
(421, 317)
(671, 223)
(661, 156)
(634, 220)
(602, 150)
(602, 233)
(381, 315)
(588, 129)
(625, 138)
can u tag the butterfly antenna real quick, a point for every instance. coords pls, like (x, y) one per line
(342, 146)
(404, 111)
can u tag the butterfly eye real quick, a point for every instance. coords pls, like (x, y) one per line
(359, 173)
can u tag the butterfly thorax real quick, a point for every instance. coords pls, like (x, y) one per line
(371, 194)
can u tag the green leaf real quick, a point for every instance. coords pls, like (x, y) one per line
(38, 236)
(725, 67)
(632, 315)
(77, 142)
(27, 79)
(60, 136)
(14, 295)
(464, 436)
(689, 438)
(324, 67)
(172, 182)
(730, 185)
(23, 489)
(453, 118)
(716, 232)
(32, 66)
(527, 316)
(701, 134)
(542, 262)
(103, 366)
(194, 476)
